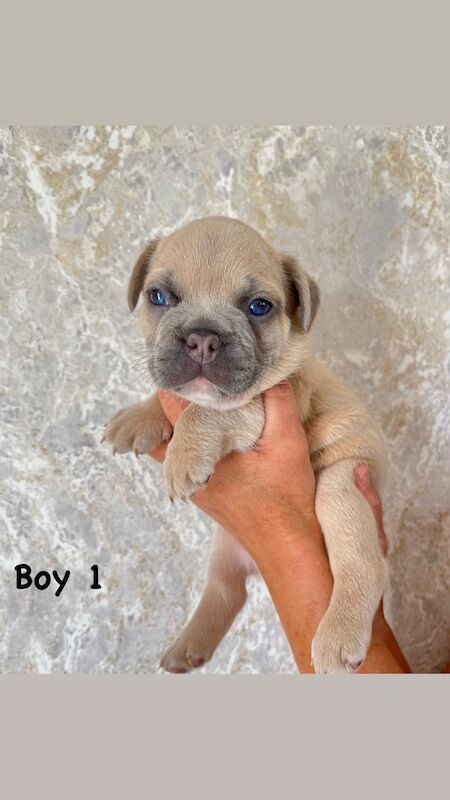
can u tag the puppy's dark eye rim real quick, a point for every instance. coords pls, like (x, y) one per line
(260, 306)
(159, 297)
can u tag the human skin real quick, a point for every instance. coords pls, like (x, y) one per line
(266, 499)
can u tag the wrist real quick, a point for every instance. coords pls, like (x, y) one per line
(289, 539)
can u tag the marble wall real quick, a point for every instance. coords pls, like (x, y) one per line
(367, 211)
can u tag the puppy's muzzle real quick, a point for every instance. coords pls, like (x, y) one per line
(203, 346)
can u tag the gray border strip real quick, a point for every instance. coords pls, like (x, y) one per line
(212, 736)
(239, 63)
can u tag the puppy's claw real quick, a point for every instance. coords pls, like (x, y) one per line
(196, 662)
(177, 670)
(355, 666)
(336, 649)
(186, 654)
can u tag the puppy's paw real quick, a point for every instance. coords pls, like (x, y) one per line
(340, 645)
(185, 654)
(190, 461)
(137, 429)
(186, 470)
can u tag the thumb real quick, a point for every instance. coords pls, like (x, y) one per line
(363, 482)
(172, 405)
(281, 412)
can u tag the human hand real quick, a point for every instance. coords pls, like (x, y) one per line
(260, 481)
(254, 492)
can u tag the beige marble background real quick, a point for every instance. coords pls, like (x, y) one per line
(367, 210)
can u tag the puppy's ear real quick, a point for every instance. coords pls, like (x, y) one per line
(304, 291)
(139, 273)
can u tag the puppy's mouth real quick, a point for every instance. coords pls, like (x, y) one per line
(200, 388)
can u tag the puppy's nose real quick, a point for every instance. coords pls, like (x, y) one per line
(203, 346)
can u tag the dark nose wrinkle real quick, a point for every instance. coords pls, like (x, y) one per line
(203, 346)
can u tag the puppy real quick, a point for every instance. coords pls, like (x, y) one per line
(225, 317)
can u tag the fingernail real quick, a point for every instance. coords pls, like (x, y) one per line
(362, 475)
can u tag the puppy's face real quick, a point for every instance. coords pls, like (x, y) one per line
(224, 315)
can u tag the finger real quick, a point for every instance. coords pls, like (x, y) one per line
(172, 405)
(363, 482)
(281, 412)
(159, 453)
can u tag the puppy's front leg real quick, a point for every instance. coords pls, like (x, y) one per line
(201, 437)
(138, 428)
(359, 571)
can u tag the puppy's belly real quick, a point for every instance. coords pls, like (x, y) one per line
(237, 556)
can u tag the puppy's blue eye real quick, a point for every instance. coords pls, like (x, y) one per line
(259, 307)
(158, 297)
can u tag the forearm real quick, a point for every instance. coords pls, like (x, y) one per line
(295, 567)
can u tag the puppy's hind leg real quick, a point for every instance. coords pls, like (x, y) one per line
(223, 597)
(358, 566)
